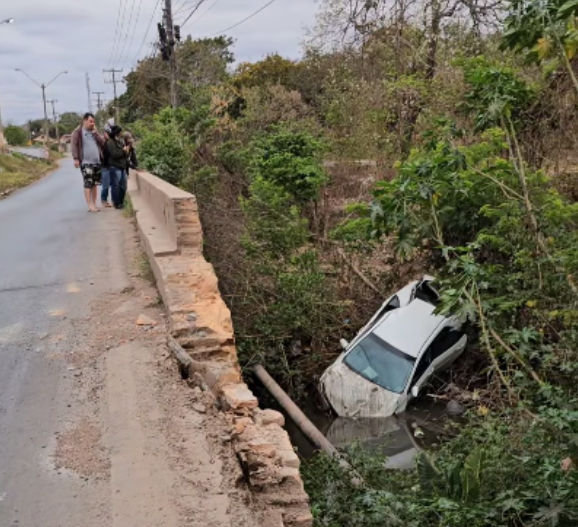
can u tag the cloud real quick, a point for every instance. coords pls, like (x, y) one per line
(81, 36)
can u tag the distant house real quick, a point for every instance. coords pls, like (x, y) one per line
(65, 139)
(40, 139)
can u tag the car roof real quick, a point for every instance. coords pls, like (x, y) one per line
(408, 328)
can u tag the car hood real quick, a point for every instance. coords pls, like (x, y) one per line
(350, 395)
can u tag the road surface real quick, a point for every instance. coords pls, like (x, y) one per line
(89, 434)
(31, 151)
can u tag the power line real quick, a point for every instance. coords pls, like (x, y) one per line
(244, 20)
(114, 42)
(115, 60)
(183, 6)
(194, 10)
(147, 31)
(204, 12)
(122, 53)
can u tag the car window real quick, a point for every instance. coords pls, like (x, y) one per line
(444, 341)
(427, 292)
(379, 362)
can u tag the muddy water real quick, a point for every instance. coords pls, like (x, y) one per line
(399, 437)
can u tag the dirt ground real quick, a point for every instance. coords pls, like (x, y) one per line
(138, 428)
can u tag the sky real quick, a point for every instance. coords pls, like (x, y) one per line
(87, 36)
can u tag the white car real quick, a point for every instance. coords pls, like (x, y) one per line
(393, 355)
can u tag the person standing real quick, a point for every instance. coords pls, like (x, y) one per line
(105, 172)
(132, 160)
(116, 154)
(86, 145)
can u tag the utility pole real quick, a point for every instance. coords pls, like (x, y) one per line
(98, 104)
(172, 56)
(53, 102)
(43, 88)
(3, 141)
(114, 82)
(89, 107)
(45, 116)
(99, 100)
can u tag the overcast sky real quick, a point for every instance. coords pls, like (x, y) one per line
(49, 36)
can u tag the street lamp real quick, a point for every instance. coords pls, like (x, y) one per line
(43, 88)
(2, 140)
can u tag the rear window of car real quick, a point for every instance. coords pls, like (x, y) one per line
(379, 362)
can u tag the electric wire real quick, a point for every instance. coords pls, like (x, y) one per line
(114, 42)
(125, 29)
(194, 10)
(147, 32)
(203, 13)
(121, 33)
(244, 20)
(126, 50)
(181, 8)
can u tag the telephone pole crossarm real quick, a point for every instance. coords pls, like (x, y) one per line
(114, 82)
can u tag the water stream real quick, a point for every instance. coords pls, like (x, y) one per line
(399, 437)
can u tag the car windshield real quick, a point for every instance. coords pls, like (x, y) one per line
(381, 363)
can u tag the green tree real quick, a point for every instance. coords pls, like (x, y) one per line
(68, 122)
(15, 135)
(202, 64)
(543, 30)
(165, 149)
(273, 69)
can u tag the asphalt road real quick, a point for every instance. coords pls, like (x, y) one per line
(55, 258)
(31, 151)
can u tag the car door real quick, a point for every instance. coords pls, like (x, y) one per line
(446, 348)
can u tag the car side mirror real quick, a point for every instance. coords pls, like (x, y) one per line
(344, 343)
(414, 391)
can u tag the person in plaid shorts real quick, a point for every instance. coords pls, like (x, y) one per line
(87, 145)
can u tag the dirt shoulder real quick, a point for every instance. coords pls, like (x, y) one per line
(159, 445)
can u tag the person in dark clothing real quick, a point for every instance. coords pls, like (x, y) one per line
(116, 159)
(132, 160)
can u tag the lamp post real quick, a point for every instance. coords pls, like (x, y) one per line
(2, 139)
(43, 88)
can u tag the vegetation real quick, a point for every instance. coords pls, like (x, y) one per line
(15, 135)
(17, 171)
(400, 144)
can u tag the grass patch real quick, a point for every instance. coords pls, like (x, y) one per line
(144, 269)
(128, 210)
(18, 171)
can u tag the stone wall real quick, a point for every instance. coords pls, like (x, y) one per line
(200, 322)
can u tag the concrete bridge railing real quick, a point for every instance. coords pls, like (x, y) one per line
(200, 321)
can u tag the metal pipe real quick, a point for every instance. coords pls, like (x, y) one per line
(297, 416)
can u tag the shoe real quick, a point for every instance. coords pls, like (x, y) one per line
(106, 204)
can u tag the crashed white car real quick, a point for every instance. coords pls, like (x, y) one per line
(393, 355)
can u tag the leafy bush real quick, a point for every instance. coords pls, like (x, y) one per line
(287, 281)
(502, 470)
(165, 149)
(15, 135)
(291, 160)
(496, 93)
